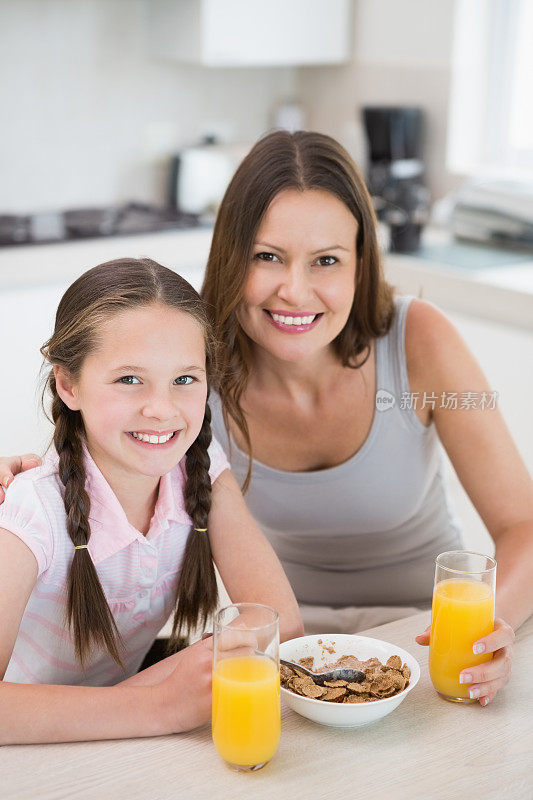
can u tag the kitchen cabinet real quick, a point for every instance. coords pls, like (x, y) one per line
(242, 33)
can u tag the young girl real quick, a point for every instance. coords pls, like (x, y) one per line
(120, 523)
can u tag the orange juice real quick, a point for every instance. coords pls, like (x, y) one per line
(463, 611)
(246, 709)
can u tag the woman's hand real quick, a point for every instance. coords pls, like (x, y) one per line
(184, 697)
(485, 679)
(12, 465)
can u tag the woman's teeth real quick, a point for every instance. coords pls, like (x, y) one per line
(151, 439)
(293, 320)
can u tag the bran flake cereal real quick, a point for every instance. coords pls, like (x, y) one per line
(381, 680)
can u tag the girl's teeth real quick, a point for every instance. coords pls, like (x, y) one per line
(293, 320)
(151, 439)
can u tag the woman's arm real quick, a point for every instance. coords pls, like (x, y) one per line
(248, 566)
(489, 467)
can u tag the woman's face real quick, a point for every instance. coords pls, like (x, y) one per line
(301, 281)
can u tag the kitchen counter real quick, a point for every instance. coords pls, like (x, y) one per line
(427, 748)
(35, 265)
(492, 284)
(466, 277)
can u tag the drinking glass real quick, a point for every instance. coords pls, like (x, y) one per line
(246, 693)
(462, 612)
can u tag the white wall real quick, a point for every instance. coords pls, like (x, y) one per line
(402, 56)
(88, 117)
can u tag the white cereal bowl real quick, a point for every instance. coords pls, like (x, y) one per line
(344, 715)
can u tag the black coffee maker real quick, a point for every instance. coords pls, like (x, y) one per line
(396, 172)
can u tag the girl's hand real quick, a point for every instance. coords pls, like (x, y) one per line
(12, 465)
(487, 678)
(185, 695)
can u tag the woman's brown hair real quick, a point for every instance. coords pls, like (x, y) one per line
(280, 161)
(91, 300)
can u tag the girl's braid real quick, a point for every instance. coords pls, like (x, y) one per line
(88, 614)
(197, 593)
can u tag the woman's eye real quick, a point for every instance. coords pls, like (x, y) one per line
(184, 380)
(326, 261)
(266, 257)
(129, 380)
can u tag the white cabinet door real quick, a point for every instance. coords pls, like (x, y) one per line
(237, 33)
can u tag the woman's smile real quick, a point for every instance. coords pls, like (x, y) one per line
(301, 279)
(293, 322)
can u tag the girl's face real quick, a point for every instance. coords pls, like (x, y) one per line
(301, 282)
(145, 380)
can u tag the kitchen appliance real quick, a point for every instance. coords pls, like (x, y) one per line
(493, 211)
(88, 223)
(200, 174)
(395, 174)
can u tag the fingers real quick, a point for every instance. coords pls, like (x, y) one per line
(8, 470)
(423, 638)
(484, 692)
(11, 466)
(499, 667)
(484, 701)
(487, 678)
(29, 461)
(502, 636)
(237, 639)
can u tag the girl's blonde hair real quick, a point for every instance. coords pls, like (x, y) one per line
(90, 301)
(279, 161)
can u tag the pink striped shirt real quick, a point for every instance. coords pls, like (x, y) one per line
(139, 574)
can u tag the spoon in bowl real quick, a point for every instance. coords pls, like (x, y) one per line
(350, 675)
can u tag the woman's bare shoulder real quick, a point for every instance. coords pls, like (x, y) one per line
(433, 344)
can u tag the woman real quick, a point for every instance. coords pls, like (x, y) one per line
(351, 497)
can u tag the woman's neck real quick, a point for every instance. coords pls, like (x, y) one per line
(310, 377)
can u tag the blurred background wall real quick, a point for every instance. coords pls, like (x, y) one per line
(84, 99)
(89, 116)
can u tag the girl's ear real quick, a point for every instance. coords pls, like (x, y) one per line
(66, 388)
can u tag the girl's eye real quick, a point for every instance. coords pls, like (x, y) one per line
(326, 261)
(129, 380)
(184, 380)
(266, 257)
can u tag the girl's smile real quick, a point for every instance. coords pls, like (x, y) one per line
(153, 437)
(142, 393)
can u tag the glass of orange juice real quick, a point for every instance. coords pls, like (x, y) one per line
(246, 694)
(462, 612)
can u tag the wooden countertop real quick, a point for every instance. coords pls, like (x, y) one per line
(427, 749)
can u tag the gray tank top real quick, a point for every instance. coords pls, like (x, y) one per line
(367, 531)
